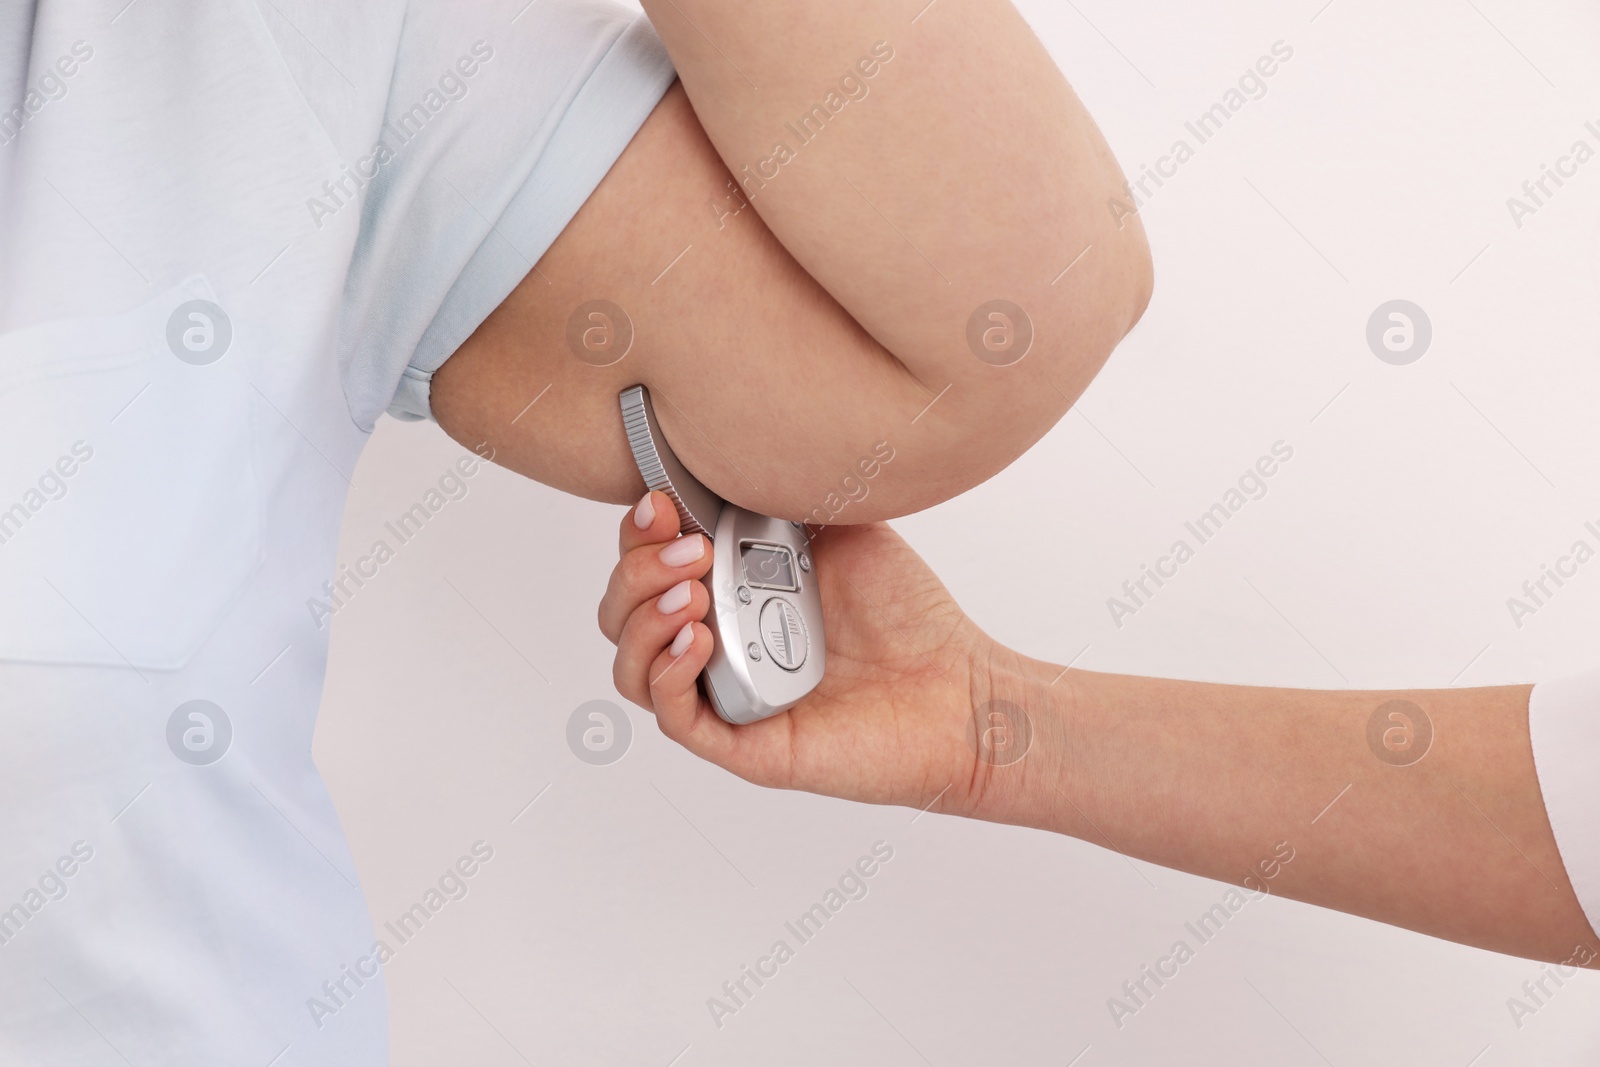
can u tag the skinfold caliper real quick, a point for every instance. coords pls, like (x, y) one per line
(766, 609)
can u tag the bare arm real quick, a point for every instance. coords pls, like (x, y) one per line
(796, 327)
(971, 172)
(1448, 836)
(1211, 779)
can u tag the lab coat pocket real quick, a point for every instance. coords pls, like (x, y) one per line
(130, 509)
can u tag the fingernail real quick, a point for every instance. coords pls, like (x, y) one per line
(644, 514)
(674, 599)
(683, 551)
(685, 638)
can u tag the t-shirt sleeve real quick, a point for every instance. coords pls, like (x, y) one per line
(1564, 720)
(492, 139)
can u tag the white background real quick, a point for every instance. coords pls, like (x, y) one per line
(1376, 167)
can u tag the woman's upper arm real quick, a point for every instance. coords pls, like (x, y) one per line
(766, 387)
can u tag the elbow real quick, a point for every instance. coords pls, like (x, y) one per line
(909, 442)
(1116, 291)
(991, 416)
(1142, 278)
(1080, 331)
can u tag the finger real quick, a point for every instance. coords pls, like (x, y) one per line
(659, 520)
(646, 573)
(682, 713)
(651, 628)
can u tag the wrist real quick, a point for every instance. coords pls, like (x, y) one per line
(1021, 711)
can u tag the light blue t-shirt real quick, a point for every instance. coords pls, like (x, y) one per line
(232, 235)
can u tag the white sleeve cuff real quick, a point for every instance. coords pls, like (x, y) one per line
(1564, 720)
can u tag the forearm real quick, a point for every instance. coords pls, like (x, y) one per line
(1223, 781)
(961, 170)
